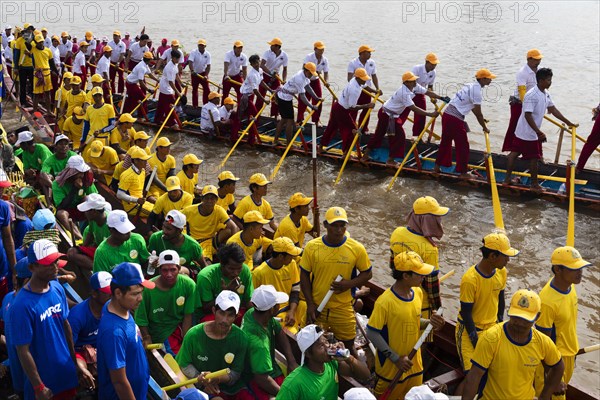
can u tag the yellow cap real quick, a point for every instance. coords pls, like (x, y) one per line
(96, 148)
(228, 100)
(97, 90)
(409, 261)
(259, 179)
(78, 111)
(54, 37)
(26, 25)
(525, 304)
(499, 242)
(106, 49)
(429, 205)
(89, 35)
(227, 176)
(44, 30)
(202, 41)
(365, 47)
(432, 58)
(36, 32)
(238, 43)
(299, 199)
(173, 183)
(275, 42)
(140, 135)
(535, 53)
(214, 95)
(127, 118)
(484, 73)
(335, 214)
(286, 245)
(64, 34)
(139, 154)
(148, 55)
(191, 159)
(83, 43)
(254, 216)
(568, 257)
(210, 189)
(319, 45)
(117, 33)
(310, 66)
(97, 78)
(163, 142)
(38, 39)
(76, 80)
(68, 75)
(409, 76)
(361, 73)
(174, 42)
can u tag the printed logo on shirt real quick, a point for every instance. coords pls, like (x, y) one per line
(94, 333)
(55, 309)
(159, 309)
(241, 289)
(180, 301)
(202, 358)
(133, 253)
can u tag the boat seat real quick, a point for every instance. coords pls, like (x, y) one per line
(589, 193)
(443, 381)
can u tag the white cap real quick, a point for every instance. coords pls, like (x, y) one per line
(266, 297)
(24, 136)
(176, 218)
(94, 201)
(168, 257)
(7, 27)
(227, 299)
(423, 392)
(60, 137)
(307, 337)
(119, 220)
(78, 163)
(359, 394)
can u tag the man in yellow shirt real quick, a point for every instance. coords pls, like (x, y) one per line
(295, 225)
(173, 199)
(226, 191)
(99, 118)
(131, 185)
(75, 98)
(251, 238)
(558, 316)
(97, 81)
(60, 98)
(188, 176)
(140, 139)
(325, 258)
(43, 64)
(103, 160)
(510, 353)
(73, 127)
(255, 201)
(164, 162)
(122, 135)
(23, 62)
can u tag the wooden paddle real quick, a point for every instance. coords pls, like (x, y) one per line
(192, 381)
(168, 116)
(571, 180)
(144, 100)
(565, 128)
(588, 349)
(498, 220)
(328, 87)
(316, 222)
(146, 190)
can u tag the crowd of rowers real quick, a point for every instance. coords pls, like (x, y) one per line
(55, 70)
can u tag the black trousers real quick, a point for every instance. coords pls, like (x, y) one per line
(25, 84)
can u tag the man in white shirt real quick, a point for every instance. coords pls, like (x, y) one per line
(272, 60)
(79, 64)
(136, 51)
(199, 63)
(136, 85)
(116, 61)
(454, 127)
(210, 117)
(47, 39)
(249, 90)
(7, 36)
(55, 77)
(168, 91)
(528, 136)
(235, 67)
(103, 66)
(525, 82)
(166, 55)
(322, 64)
(66, 49)
(90, 53)
(364, 61)
(426, 78)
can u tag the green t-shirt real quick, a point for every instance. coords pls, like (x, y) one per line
(18, 152)
(133, 250)
(162, 310)
(99, 233)
(36, 159)
(60, 192)
(207, 354)
(208, 285)
(54, 166)
(304, 384)
(189, 251)
(261, 345)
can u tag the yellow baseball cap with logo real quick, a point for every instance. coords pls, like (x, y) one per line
(299, 199)
(163, 142)
(335, 214)
(148, 55)
(361, 73)
(97, 78)
(525, 304)
(259, 179)
(97, 90)
(210, 189)
(286, 245)
(254, 216)
(173, 183)
(499, 242)
(432, 58)
(535, 53)
(139, 154)
(409, 261)
(568, 257)
(96, 148)
(126, 117)
(78, 111)
(429, 205)
(68, 75)
(76, 80)
(106, 49)
(117, 33)
(140, 135)
(191, 159)
(227, 176)
(409, 76)
(38, 38)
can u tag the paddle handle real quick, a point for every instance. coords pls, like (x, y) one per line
(571, 214)
(498, 220)
(588, 349)
(154, 346)
(316, 222)
(168, 117)
(447, 275)
(328, 295)
(192, 381)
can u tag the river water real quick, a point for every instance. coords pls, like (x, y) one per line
(466, 36)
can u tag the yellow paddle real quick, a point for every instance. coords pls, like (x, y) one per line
(212, 375)
(571, 169)
(168, 116)
(143, 101)
(498, 221)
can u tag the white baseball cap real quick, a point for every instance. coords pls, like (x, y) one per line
(359, 394)
(60, 137)
(24, 136)
(307, 337)
(78, 163)
(227, 299)
(266, 297)
(7, 27)
(119, 220)
(101, 281)
(94, 201)
(176, 218)
(168, 257)
(423, 392)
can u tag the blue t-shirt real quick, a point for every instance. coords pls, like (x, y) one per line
(120, 345)
(40, 324)
(4, 222)
(21, 228)
(84, 325)
(16, 371)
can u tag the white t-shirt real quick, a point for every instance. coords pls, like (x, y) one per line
(6, 39)
(91, 47)
(103, 66)
(426, 79)
(78, 63)
(401, 99)
(139, 72)
(322, 65)
(64, 48)
(293, 86)
(224, 113)
(137, 51)
(48, 42)
(199, 60)
(169, 74)
(369, 66)
(8, 55)
(252, 81)
(525, 77)
(235, 62)
(350, 94)
(208, 109)
(167, 55)
(467, 98)
(536, 102)
(117, 50)
(273, 61)
(55, 56)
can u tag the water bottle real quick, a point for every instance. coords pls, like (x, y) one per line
(562, 189)
(362, 356)
(151, 261)
(340, 353)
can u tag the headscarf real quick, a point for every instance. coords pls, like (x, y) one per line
(430, 226)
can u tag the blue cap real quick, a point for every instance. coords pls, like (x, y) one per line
(101, 281)
(130, 274)
(192, 394)
(43, 219)
(22, 268)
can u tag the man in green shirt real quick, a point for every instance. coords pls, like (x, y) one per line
(57, 162)
(122, 245)
(230, 274)
(33, 157)
(317, 378)
(264, 334)
(215, 345)
(165, 314)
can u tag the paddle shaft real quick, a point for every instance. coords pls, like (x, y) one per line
(192, 381)
(498, 220)
(146, 190)
(316, 222)
(447, 275)
(328, 295)
(167, 117)
(328, 87)
(143, 101)
(588, 349)
(571, 170)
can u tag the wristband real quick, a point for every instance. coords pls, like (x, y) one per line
(39, 388)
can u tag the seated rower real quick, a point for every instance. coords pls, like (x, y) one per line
(132, 184)
(72, 127)
(255, 201)
(164, 162)
(229, 120)
(33, 157)
(296, 225)
(97, 81)
(140, 139)
(57, 162)
(251, 238)
(210, 117)
(103, 160)
(188, 176)
(173, 199)
(75, 98)
(99, 119)
(122, 136)
(226, 191)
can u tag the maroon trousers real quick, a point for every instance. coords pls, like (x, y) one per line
(114, 72)
(515, 113)
(135, 95)
(83, 77)
(249, 113)
(227, 86)
(316, 86)
(340, 119)
(363, 99)
(397, 140)
(273, 83)
(131, 65)
(198, 81)
(164, 105)
(419, 120)
(453, 130)
(592, 142)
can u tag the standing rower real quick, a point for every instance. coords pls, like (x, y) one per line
(364, 61)
(136, 85)
(116, 61)
(235, 67)
(426, 78)
(136, 52)
(168, 91)
(272, 60)
(199, 63)
(322, 64)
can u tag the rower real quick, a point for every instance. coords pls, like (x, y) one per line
(54, 77)
(33, 156)
(509, 353)
(173, 199)
(593, 141)
(167, 55)
(121, 136)
(454, 127)
(296, 225)
(426, 78)
(99, 119)
(73, 127)
(228, 118)
(164, 163)
(299, 84)
(60, 98)
(322, 64)
(325, 258)
(251, 238)
(317, 376)
(140, 139)
(558, 315)
(79, 64)
(131, 186)
(249, 91)
(528, 136)
(54, 164)
(168, 91)
(75, 98)
(210, 117)
(103, 160)
(43, 64)
(256, 201)
(525, 82)
(199, 62)
(165, 313)
(341, 111)
(397, 108)
(208, 223)
(97, 81)
(372, 85)
(136, 85)
(116, 61)
(272, 60)
(66, 49)
(226, 191)
(136, 53)
(188, 176)
(396, 323)
(162, 48)
(103, 68)
(90, 53)
(235, 67)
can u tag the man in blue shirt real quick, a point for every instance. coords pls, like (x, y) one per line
(7, 245)
(123, 371)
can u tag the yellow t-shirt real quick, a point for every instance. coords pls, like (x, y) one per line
(117, 138)
(559, 317)
(282, 279)
(510, 367)
(225, 202)
(118, 171)
(107, 160)
(162, 168)
(132, 183)
(288, 229)
(24, 59)
(326, 262)
(398, 319)
(187, 184)
(41, 59)
(164, 204)
(63, 96)
(403, 239)
(249, 250)
(74, 100)
(204, 227)
(98, 118)
(247, 204)
(482, 291)
(73, 131)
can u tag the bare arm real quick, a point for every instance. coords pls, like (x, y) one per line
(354, 368)
(480, 119)
(186, 324)
(472, 382)
(552, 381)
(122, 387)
(554, 111)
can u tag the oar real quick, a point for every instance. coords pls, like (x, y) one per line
(328, 87)
(356, 136)
(328, 296)
(564, 128)
(214, 83)
(447, 275)
(123, 100)
(289, 145)
(571, 221)
(235, 82)
(192, 381)
(144, 100)
(168, 116)
(316, 222)
(498, 220)
(588, 349)
(146, 190)
(154, 346)
(411, 355)
(414, 145)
